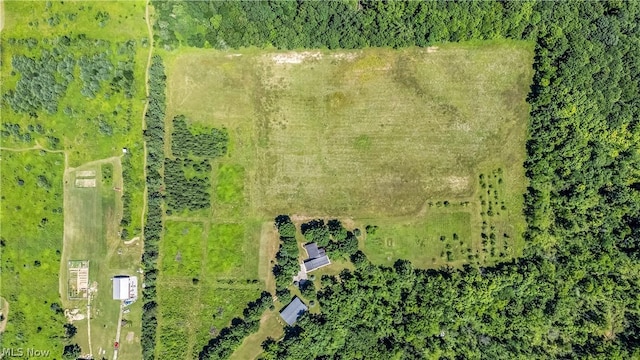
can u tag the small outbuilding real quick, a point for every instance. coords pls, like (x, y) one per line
(121, 287)
(293, 311)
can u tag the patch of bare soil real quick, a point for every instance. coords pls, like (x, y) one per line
(129, 242)
(295, 57)
(458, 183)
(4, 313)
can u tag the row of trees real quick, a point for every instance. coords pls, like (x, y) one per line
(337, 24)
(287, 258)
(127, 178)
(223, 345)
(154, 137)
(184, 193)
(209, 143)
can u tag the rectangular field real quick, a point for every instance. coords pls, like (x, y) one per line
(400, 139)
(208, 273)
(372, 134)
(91, 233)
(31, 246)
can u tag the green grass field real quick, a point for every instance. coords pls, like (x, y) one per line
(85, 130)
(208, 272)
(392, 138)
(30, 248)
(91, 233)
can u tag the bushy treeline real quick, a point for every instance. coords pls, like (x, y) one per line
(154, 137)
(337, 24)
(223, 345)
(332, 236)
(127, 178)
(193, 193)
(209, 143)
(287, 265)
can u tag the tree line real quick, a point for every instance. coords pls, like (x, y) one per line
(287, 258)
(337, 24)
(230, 338)
(154, 137)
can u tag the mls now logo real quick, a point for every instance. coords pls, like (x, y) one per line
(22, 352)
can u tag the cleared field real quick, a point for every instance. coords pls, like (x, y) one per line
(181, 254)
(208, 272)
(363, 133)
(31, 246)
(389, 138)
(91, 233)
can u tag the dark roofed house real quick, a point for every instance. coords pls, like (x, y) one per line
(312, 250)
(317, 257)
(312, 264)
(293, 311)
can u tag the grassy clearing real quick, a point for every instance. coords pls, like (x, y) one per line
(215, 277)
(181, 253)
(31, 248)
(394, 138)
(251, 348)
(91, 233)
(423, 241)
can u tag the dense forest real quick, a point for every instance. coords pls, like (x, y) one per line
(574, 294)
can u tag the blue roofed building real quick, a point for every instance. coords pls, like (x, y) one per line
(293, 311)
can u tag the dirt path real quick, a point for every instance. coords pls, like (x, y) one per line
(115, 349)
(5, 314)
(147, 19)
(89, 324)
(39, 147)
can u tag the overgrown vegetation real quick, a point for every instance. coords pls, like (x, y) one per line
(31, 249)
(188, 184)
(154, 136)
(185, 141)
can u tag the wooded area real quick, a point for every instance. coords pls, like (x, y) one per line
(574, 293)
(154, 136)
